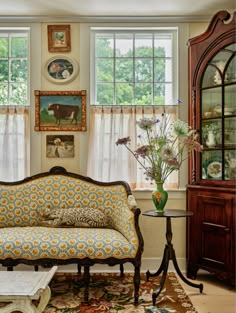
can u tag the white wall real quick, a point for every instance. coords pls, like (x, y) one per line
(153, 229)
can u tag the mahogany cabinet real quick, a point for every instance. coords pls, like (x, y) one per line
(212, 172)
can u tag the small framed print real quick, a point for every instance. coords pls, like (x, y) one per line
(61, 69)
(59, 38)
(60, 110)
(59, 146)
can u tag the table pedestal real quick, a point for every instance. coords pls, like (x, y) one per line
(169, 254)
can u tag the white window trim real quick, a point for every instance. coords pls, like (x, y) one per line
(35, 84)
(174, 30)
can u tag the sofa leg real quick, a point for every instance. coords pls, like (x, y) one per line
(121, 270)
(136, 284)
(10, 268)
(78, 269)
(86, 284)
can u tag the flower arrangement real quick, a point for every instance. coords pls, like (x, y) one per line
(164, 145)
(60, 70)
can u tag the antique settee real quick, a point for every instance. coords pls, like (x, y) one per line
(30, 236)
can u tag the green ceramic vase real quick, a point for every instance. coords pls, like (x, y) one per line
(159, 197)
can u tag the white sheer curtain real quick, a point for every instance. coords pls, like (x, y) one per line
(14, 143)
(109, 162)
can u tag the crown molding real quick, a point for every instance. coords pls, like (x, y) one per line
(105, 19)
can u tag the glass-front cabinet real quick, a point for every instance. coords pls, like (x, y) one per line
(218, 116)
(211, 193)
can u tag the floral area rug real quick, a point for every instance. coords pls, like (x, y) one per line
(110, 293)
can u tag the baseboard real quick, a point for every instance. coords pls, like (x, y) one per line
(151, 264)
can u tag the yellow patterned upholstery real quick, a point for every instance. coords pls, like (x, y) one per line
(35, 243)
(22, 236)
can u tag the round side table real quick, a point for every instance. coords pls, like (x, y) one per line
(169, 252)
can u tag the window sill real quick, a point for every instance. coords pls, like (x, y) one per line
(172, 194)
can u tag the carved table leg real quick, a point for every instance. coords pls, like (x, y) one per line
(44, 299)
(26, 306)
(159, 271)
(169, 254)
(164, 270)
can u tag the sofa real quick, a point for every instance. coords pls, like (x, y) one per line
(35, 228)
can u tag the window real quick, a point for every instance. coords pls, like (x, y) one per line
(14, 103)
(134, 74)
(134, 68)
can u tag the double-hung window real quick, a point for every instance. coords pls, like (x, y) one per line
(133, 75)
(14, 103)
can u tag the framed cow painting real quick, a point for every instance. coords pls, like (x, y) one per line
(60, 110)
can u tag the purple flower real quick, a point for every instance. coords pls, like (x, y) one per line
(164, 144)
(123, 141)
(173, 163)
(142, 151)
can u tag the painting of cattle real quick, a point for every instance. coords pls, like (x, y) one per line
(58, 110)
(64, 112)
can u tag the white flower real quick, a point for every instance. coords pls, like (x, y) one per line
(164, 145)
(65, 74)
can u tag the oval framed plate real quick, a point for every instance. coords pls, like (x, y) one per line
(61, 69)
(214, 169)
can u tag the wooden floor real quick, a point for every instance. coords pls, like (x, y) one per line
(217, 297)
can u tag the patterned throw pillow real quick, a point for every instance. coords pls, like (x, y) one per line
(78, 217)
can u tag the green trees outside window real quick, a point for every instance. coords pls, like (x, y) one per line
(14, 68)
(134, 68)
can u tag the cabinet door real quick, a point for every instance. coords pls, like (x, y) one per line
(218, 117)
(211, 232)
(214, 218)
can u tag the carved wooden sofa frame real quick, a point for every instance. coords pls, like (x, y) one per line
(21, 229)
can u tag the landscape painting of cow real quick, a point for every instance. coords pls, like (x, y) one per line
(60, 110)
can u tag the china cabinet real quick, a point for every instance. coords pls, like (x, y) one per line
(212, 172)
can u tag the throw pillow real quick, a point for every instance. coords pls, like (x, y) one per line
(78, 217)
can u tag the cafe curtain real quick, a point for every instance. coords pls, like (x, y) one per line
(14, 143)
(109, 162)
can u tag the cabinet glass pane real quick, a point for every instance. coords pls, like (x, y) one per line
(221, 69)
(212, 165)
(209, 76)
(229, 99)
(211, 100)
(230, 131)
(211, 133)
(230, 164)
(231, 71)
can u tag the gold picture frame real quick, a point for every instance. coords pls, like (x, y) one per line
(59, 38)
(60, 110)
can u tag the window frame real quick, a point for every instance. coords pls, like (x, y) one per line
(17, 114)
(174, 31)
(17, 30)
